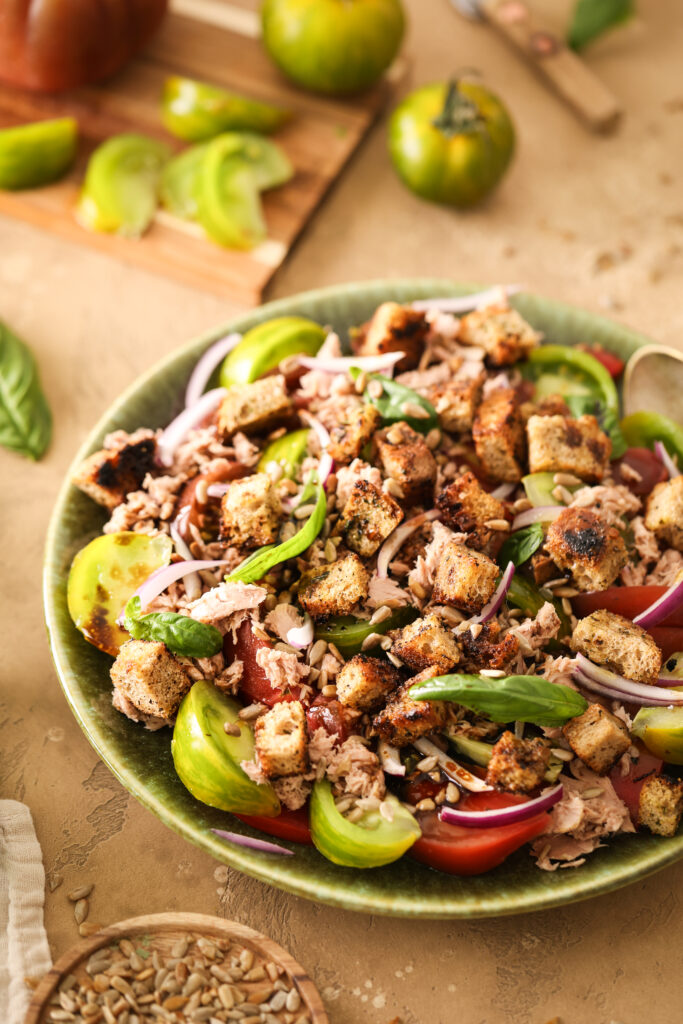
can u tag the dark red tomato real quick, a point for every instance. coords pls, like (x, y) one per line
(188, 496)
(627, 601)
(628, 787)
(254, 685)
(421, 787)
(291, 825)
(646, 463)
(669, 639)
(472, 851)
(328, 714)
(613, 364)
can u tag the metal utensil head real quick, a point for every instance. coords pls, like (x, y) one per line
(468, 8)
(653, 379)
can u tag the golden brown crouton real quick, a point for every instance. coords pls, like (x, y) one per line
(464, 578)
(365, 682)
(664, 512)
(108, 475)
(498, 435)
(466, 507)
(543, 567)
(334, 589)
(660, 805)
(581, 542)
(517, 765)
(394, 328)
(426, 642)
(348, 438)
(403, 720)
(255, 407)
(503, 334)
(250, 512)
(150, 677)
(456, 403)
(487, 649)
(368, 517)
(598, 737)
(611, 640)
(558, 444)
(404, 456)
(281, 740)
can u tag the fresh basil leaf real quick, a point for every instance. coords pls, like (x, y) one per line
(25, 417)
(512, 699)
(520, 546)
(393, 400)
(181, 634)
(593, 17)
(588, 405)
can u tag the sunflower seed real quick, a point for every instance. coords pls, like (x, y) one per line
(425, 805)
(567, 480)
(452, 793)
(81, 893)
(361, 382)
(501, 525)
(293, 1001)
(588, 794)
(560, 754)
(371, 640)
(81, 911)
(375, 389)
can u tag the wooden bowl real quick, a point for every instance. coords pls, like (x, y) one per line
(165, 930)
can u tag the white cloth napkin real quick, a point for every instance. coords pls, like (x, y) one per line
(24, 951)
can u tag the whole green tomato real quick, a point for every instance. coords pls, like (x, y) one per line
(451, 143)
(333, 46)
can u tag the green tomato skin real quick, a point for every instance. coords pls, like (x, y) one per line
(178, 186)
(265, 346)
(572, 372)
(207, 760)
(348, 633)
(196, 111)
(369, 843)
(661, 730)
(335, 47)
(288, 451)
(642, 429)
(35, 154)
(460, 170)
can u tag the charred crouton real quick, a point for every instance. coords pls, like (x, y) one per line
(614, 641)
(582, 543)
(348, 438)
(664, 512)
(150, 677)
(517, 765)
(250, 512)
(456, 403)
(660, 805)
(503, 334)
(487, 649)
(334, 589)
(252, 408)
(404, 456)
(498, 435)
(598, 737)
(365, 682)
(466, 507)
(403, 720)
(543, 567)
(426, 642)
(559, 444)
(464, 578)
(108, 475)
(368, 517)
(281, 741)
(394, 328)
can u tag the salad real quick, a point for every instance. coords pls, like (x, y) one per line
(415, 592)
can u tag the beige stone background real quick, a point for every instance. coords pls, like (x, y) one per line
(589, 220)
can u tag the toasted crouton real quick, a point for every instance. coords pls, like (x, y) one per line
(334, 589)
(543, 567)
(150, 677)
(365, 682)
(250, 512)
(503, 334)
(559, 444)
(404, 456)
(426, 642)
(664, 512)
(464, 578)
(394, 328)
(582, 543)
(456, 403)
(403, 720)
(598, 737)
(498, 435)
(281, 740)
(517, 765)
(466, 507)
(252, 408)
(611, 640)
(348, 438)
(108, 475)
(368, 517)
(660, 805)
(487, 649)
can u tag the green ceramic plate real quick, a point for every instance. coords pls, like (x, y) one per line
(142, 760)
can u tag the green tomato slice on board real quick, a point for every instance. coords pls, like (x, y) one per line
(35, 154)
(178, 186)
(196, 111)
(265, 346)
(287, 451)
(229, 205)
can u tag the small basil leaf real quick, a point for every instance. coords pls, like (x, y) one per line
(181, 634)
(393, 400)
(593, 17)
(520, 546)
(582, 405)
(25, 418)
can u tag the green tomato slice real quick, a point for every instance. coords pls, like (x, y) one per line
(178, 186)
(265, 346)
(348, 633)
(207, 760)
(539, 489)
(642, 429)
(368, 843)
(195, 111)
(287, 451)
(565, 370)
(661, 730)
(35, 154)
(104, 575)
(121, 184)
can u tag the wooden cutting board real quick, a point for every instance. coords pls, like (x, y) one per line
(218, 43)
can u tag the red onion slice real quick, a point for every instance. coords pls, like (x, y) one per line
(301, 636)
(252, 844)
(540, 514)
(188, 419)
(207, 364)
(504, 491)
(451, 768)
(662, 607)
(168, 574)
(490, 609)
(664, 457)
(314, 423)
(465, 303)
(503, 815)
(390, 759)
(398, 537)
(624, 689)
(342, 364)
(193, 583)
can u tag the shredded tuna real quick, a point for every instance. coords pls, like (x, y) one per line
(386, 592)
(321, 748)
(293, 791)
(219, 604)
(283, 668)
(667, 569)
(229, 679)
(357, 768)
(425, 568)
(121, 439)
(151, 722)
(611, 502)
(139, 513)
(534, 634)
(282, 618)
(444, 325)
(245, 452)
(493, 384)
(199, 450)
(253, 770)
(348, 475)
(422, 380)
(559, 670)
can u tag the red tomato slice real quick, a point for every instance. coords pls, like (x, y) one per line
(291, 825)
(646, 463)
(628, 787)
(328, 713)
(613, 364)
(627, 601)
(254, 685)
(188, 495)
(669, 639)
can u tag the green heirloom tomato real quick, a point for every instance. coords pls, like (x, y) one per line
(539, 488)
(34, 154)
(527, 596)
(565, 370)
(265, 346)
(178, 186)
(348, 633)
(661, 730)
(287, 451)
(368, 843)
(195, 111)
(333, 46)
(451, 143)
(104, 575)
(642, 429)
(207, 759)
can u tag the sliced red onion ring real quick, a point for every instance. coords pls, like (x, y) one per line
(540, 514)
(301, 636)
(207, 364)
(325, 467)
(451, 768)
(188, 419)
(664, 457)
(390, 759)
(504, 491)
(342, 364)
(162, 578)
(662, 607)
(464, 303)
(503, 815)
(395, 540)
(321, 431)
(623, 689)
(490, 609)
(193, 583)
(252, 844)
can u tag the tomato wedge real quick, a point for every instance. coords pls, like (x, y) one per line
(647, 466)
(255, 685)
(627, 601)
(613, 364)
(328, 713)
(628, 787)
(291, 825)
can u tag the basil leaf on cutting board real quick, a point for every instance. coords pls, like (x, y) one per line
(391, 403)
(25, 417)
(520, 546)
(181, 634)
(591, 18)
